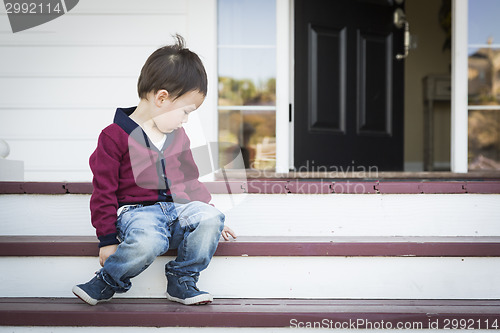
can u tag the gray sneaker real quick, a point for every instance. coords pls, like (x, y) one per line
(94, 291)
(183, 290)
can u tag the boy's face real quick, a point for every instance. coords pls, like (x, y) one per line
(172, 114)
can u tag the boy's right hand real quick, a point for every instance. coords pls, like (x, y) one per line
(105, 252)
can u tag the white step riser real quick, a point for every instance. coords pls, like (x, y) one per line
(286, 215)
(276, 277)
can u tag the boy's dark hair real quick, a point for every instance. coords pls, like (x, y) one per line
(173, 68)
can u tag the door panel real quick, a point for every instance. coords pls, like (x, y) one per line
(375, 83)
(327, 61)
(348, 85)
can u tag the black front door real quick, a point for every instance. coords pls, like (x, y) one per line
(348, 85)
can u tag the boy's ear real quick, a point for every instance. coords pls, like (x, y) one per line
(161, 96)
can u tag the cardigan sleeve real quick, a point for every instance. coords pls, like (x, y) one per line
(105, 165)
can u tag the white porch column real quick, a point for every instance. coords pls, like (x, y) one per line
(459, 89)
(282, 85)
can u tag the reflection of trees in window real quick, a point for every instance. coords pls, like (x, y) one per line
(480, 87)
(484, 125)
(484, 139)
(246, 92)
(254, 131)
(484, 83)
(247, 80)
(483, 86)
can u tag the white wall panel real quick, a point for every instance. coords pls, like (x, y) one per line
(130, 7)
(60, 158)
(61, 82)
(54, 123)
(67, 93)
(68, 61)
(103, 30)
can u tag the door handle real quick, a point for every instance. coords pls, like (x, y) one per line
(400, 21)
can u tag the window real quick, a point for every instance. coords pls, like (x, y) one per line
(484, 85)
(247, 81)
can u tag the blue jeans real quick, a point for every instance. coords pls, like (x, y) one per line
(146, 232)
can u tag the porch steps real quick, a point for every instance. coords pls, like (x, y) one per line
(408, 257)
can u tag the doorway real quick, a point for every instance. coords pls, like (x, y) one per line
(349, 85)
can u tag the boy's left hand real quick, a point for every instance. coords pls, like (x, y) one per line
(226, 232)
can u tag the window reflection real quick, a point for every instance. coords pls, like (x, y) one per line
(247, 81)
(254, 131)
(484, 76)
(483, 21)
(246, 92)
(484, 85)
(484, 140)
(247, 22)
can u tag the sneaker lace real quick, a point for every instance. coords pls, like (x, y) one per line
(188, 282)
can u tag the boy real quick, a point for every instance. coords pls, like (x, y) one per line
(147, 197)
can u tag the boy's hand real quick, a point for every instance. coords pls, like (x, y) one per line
(105, 252)
(226, 232)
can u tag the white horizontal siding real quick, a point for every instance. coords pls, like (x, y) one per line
(61, 82)
(100, 29)
(73, 61)
(131, 7)
(53, 123)
(58, 158)
(67, 93)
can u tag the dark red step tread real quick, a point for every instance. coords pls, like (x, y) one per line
(282, 186)
(278, 246)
